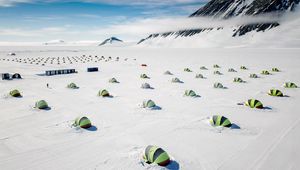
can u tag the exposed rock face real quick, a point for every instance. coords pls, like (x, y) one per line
(225, 9)
(111, 40)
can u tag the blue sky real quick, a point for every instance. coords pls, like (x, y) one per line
(36, 20)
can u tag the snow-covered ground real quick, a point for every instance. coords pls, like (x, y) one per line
(268, 139)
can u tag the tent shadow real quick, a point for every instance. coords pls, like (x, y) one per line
(235, 126)
(47, 109)
(286, 96)
(267, 108)
(92, 129)
(156, 108)
(174, 165)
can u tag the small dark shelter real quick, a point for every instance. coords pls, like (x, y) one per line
(16, 76)
(6, 76)
(92, 69)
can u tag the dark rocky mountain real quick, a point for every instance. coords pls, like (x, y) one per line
(111, 40)
(226, 9)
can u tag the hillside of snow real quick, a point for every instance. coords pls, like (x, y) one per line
(34, 139)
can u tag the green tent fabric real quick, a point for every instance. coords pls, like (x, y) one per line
(83, 122)
(253, 103)
(42, 104)
(275, 92)
(154, 154)
(113, 80)
(190, 93)
(275, 69)
(238, 80)
(103, 93)
(199, 76)
(253, 76)
(290, 85)
(15, 93)
(148, 104)
(218, 86)
(168, 73)
(144, 76)
(243, 68)
(217, 73)
(203, 68)
(187, 70)
(218, 120)
(176, 80)
(216, 66)
(265, 72)
(72, 86)
(231, 70)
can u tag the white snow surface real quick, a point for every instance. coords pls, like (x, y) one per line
(32, 139)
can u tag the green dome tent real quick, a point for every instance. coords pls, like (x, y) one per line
(190, 93)
(199, 76)
(253, 103)
(238, 80)
(290, 85)
(275, 70)
(253, 76)
(203, 68)
(216, 66)
(154, 154)
(168, 73)
(15, 93)
(148, 104)
(72, 86)
(231, 70)
(275, 92)
(217, 120)
(217, 73)
(113, 80)
(103, 93)
(83, 122)
(265, 72)
(42, 104)
(243, 68)
(187, 70)
(144, 76)
(218, 86)
(176, 80)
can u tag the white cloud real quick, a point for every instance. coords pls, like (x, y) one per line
(9, 3)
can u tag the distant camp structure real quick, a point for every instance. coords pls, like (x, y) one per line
(219, 86)
(15, 93)
(275, 69)
(168, 73)
(154, 154)
(203, 68)
(7, 76)
(176, 80)
(72, 86)
(253, 76)
(217, 73)
(103, 93)
(144, 76)
(190, 93)
(92, 69)
(275, 92)
(232, 70)
(41, 104)
(146, 86)
(216, 66)
(59, 72)
(199, 76)
(290, 85)
(265, 72)
(218, 120)
(238, 80)
(113, 80)
(149, 104)
(253, 103)
(82, 122)
(187, 70)
(243, 68)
